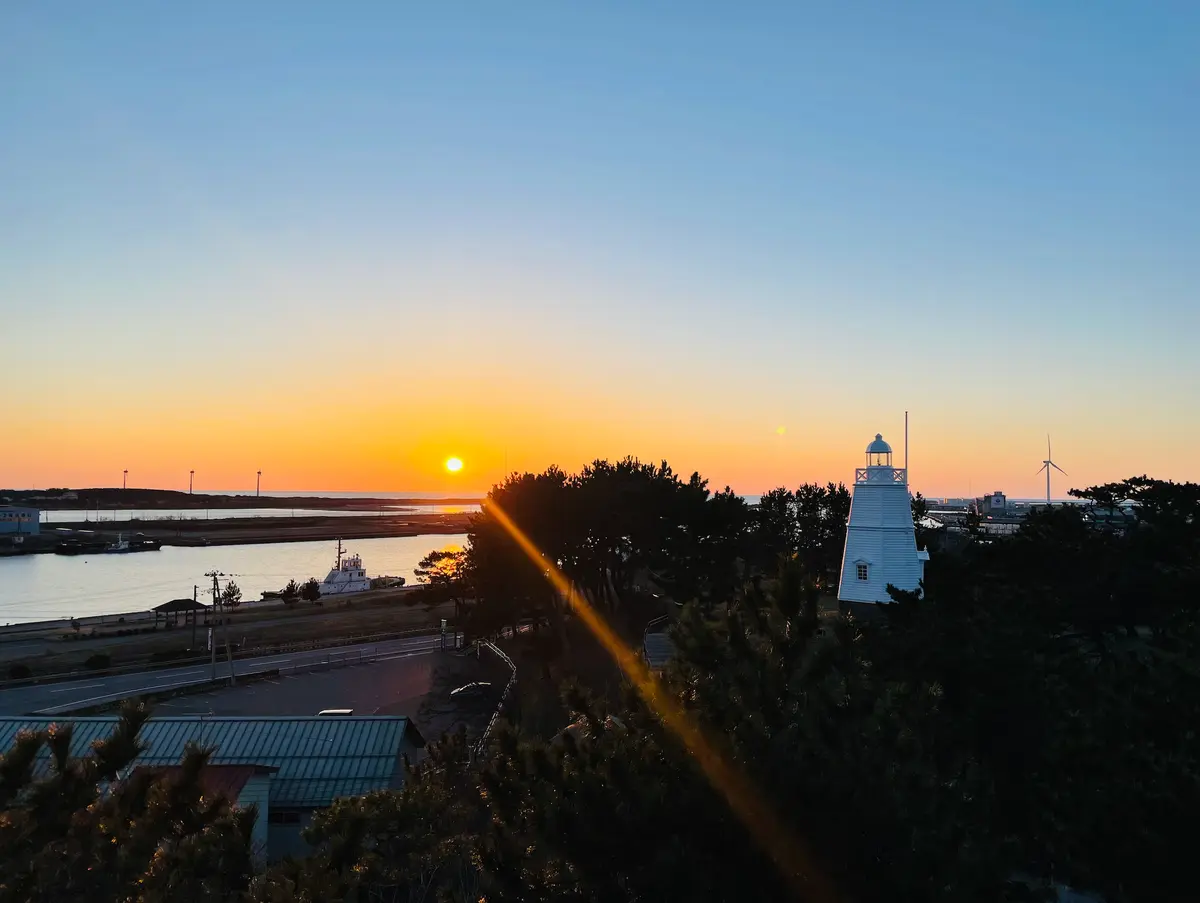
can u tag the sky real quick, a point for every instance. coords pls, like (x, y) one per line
(341, 243)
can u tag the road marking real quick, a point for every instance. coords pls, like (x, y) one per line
(81, 687)
(393, 657)
(175, 674)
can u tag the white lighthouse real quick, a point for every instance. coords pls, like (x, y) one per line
(881, 546)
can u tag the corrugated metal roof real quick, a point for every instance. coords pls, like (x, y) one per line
(658, 649)
(319, 759)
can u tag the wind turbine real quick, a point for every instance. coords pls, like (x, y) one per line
(1046, 465)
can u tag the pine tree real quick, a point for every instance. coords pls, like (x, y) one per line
(94, 828)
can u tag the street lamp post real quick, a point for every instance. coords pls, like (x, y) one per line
(124, 478)
(258, 485)
(191, 475)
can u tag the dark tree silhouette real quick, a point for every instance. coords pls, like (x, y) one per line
(92, 829)
(231, 595)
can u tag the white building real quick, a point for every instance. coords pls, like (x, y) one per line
(881, 546)
(17, 519)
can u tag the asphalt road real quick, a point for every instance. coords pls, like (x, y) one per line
(393, 684)
(30, 699)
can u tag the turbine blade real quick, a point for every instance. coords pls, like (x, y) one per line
(1059, 469)
(1048, 455)
(1040, 469)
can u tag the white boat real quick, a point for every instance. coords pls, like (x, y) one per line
(121, 545)
(346, 577)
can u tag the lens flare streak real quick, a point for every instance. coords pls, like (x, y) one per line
(786, 849)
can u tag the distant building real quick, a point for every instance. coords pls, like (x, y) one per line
(881, 544)
(289, 766)
(1119, 516)
(17, 519)
(994, 504)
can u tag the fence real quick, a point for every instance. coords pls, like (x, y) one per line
(509, 688)
(249, 652)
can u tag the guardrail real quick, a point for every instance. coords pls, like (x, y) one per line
(249, 652)
(148, 693)
(509, 687)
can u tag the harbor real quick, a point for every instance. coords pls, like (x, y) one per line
(50, 587)
(137, 535)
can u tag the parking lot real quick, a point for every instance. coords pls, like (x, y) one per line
(416, 685)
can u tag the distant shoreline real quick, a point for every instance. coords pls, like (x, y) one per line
(248, 530)
(176, 500)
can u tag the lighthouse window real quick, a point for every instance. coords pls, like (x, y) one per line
(862, 572)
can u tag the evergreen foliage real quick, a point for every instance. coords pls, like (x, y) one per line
(1025, 724)
(93, 829)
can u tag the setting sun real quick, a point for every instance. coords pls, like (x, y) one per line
(454, 465)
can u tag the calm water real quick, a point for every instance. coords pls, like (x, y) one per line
(108, 515)
(41, 587)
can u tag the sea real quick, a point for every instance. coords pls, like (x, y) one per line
(45, 587)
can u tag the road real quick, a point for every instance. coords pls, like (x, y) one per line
(394, 684)
(34, 698)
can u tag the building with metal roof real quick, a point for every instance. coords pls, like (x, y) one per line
(657, 649)
(18, 519)
(657, 646)
(312, 760)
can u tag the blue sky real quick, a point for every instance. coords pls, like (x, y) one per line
(573, 231)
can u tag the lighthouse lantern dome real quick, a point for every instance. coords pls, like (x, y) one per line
(879, 453)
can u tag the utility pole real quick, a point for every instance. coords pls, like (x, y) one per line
(195, 593)
(212, 628)
(258, 485)
(225, 622)
(124, 479)
(191, 476)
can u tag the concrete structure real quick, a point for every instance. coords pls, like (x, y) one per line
(297, 764)
(881, 545)
(20, 520)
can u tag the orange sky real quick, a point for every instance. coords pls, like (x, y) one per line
(306, 431)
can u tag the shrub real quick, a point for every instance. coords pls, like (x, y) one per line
(19, 672)
(98, 661)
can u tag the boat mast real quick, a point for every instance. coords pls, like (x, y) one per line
(339, 560)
